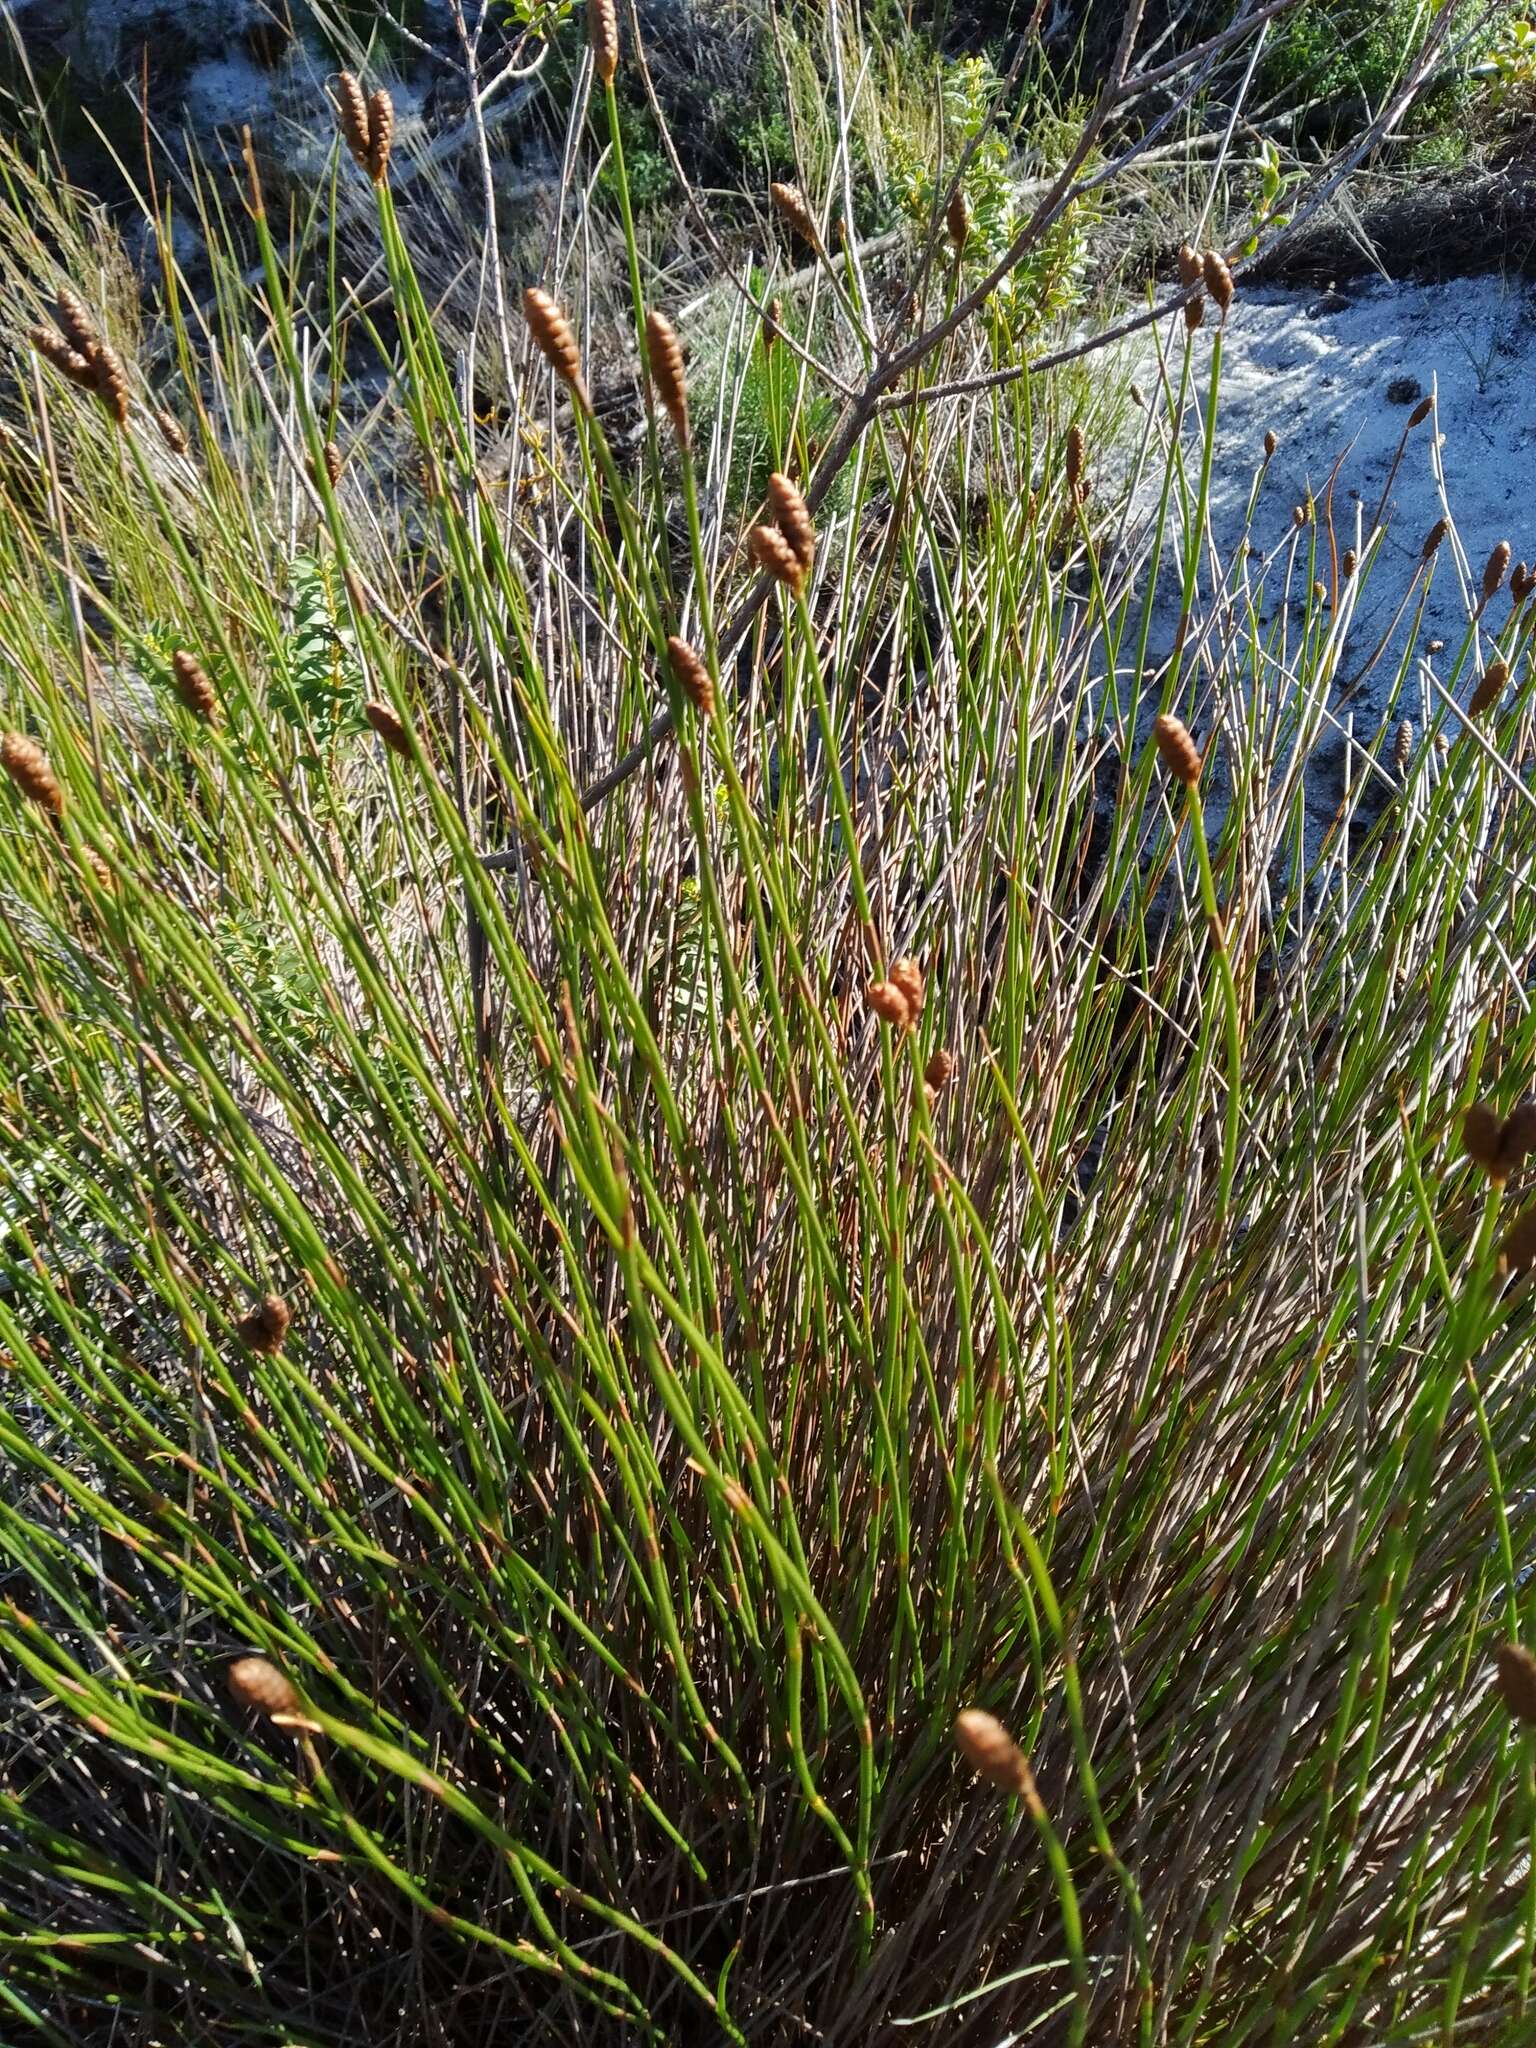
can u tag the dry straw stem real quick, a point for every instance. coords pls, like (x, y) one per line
(774, 553)
(792, 208)
(353, 111)
(389, 726)
(1490, 688)
(192, 684)
(257, 1683)
(555, 341)
(993, 1754)
(381, 135)
(1496, 569)
(1218, 279)
(667, 373)
(265, 1328)
(688, 666)
(603, 34)
(793, 519)
(1180, 755)
(27, 765)
(1517, 1680)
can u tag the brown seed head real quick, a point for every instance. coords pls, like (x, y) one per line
(27, 765)
(352, 110)
(1194, 312)
(940, 1067)
(1402, 746)
(1075, 453)
(1518, 1251)
(667, 373)
(171, 432)
(1218, 279)
(1421, 412)
(793, 209)
(192, 684)
(256, 1682)
(697, 683)
(1521, 583)
(1433, 538)
(1517, 1680)
(1348, 563)
(773, 322)
(793, 519)
(55, 349)
(603, 34)
(76, 322)
(1271, 442)
(330, 455)
(1191, 270)
(1481, 1136)
(992, 1752)
(111, 382)
(266, 1326)
(554, 340)
(1181, 757)
(890, 1004)
(774, 553)
(389, 726)
(1319, 592)
(1497, 569)
(1490, 688)
(1517, 1140)
(381, 135)
(905, 973)
(957, 219)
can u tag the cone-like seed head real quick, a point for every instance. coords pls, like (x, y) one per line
(1491, 687)
(389, 726)
(793, 519)
(1218, 278)
(603, 34)
(1402, 745)
(1180, 755)
(1521, 583)
(773, 322)
(554, 340)
(1517, 1140)
(1496, 569)
(267, 1325)
(77, 324)
(697, 683)
(381, 135)
(171, 432)
(1518, 1251)
(111, 382)
(1194, 312)
(793, 209)
(941, 1065)
(890, 1004)
(1433, 538)
(192, 684)
(1517, 1680)
(27, 765)
(55, 349)
(774, 553)
(1348, 563)
(958, 220)
(991, 1751)
(907, 975)
(256, 1682)
(667, 373)
(1075, 453)
(1191, 269)
(1271, 442)
(353, 111)
(1481, 1133)
(1421, 412)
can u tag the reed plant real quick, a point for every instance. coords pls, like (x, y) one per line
(743, 1297)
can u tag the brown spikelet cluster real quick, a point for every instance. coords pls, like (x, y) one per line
(381, 135)
(1518, 1251)
(603, 35)
(1521, 583)
(667, 373)
(389, 726)
(993, 1754)
(352, 109)
(1433, 538)
(773, 323)
(27, 765)
(1271, 442)
(257, 1683)
(1180, 755)
(772, 552)
(1490, 687)
(265, 1328)
(1191, 270)
(80, 354)
(1218, 279)
(1299, 516)
(697, 684)
(555, 342)
(1499, 1144)
(1402, 746)
(939, 1070)
(898, 1000)
(1319, 592)
(907, 975)
(1517, 1680)
(792, 209)
(172, 432)
(1075, 458)
(1496, 569)
(192, 684)
(1421, 412)
(793, 519)
(1194, 312)
(1348, 562)
(957, 220)
(330, 461)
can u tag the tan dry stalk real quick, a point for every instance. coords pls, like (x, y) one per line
(192, 684)
(688, 666)
(774, 553)
(792, 208)
(1180, 755)
(603, 35)
(667, 372)
(793, 519)
(28, 767)
(389, 726)
(554, 340)
(257, 1683)
(381, 135)
(353, 111)
(265, 1328)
